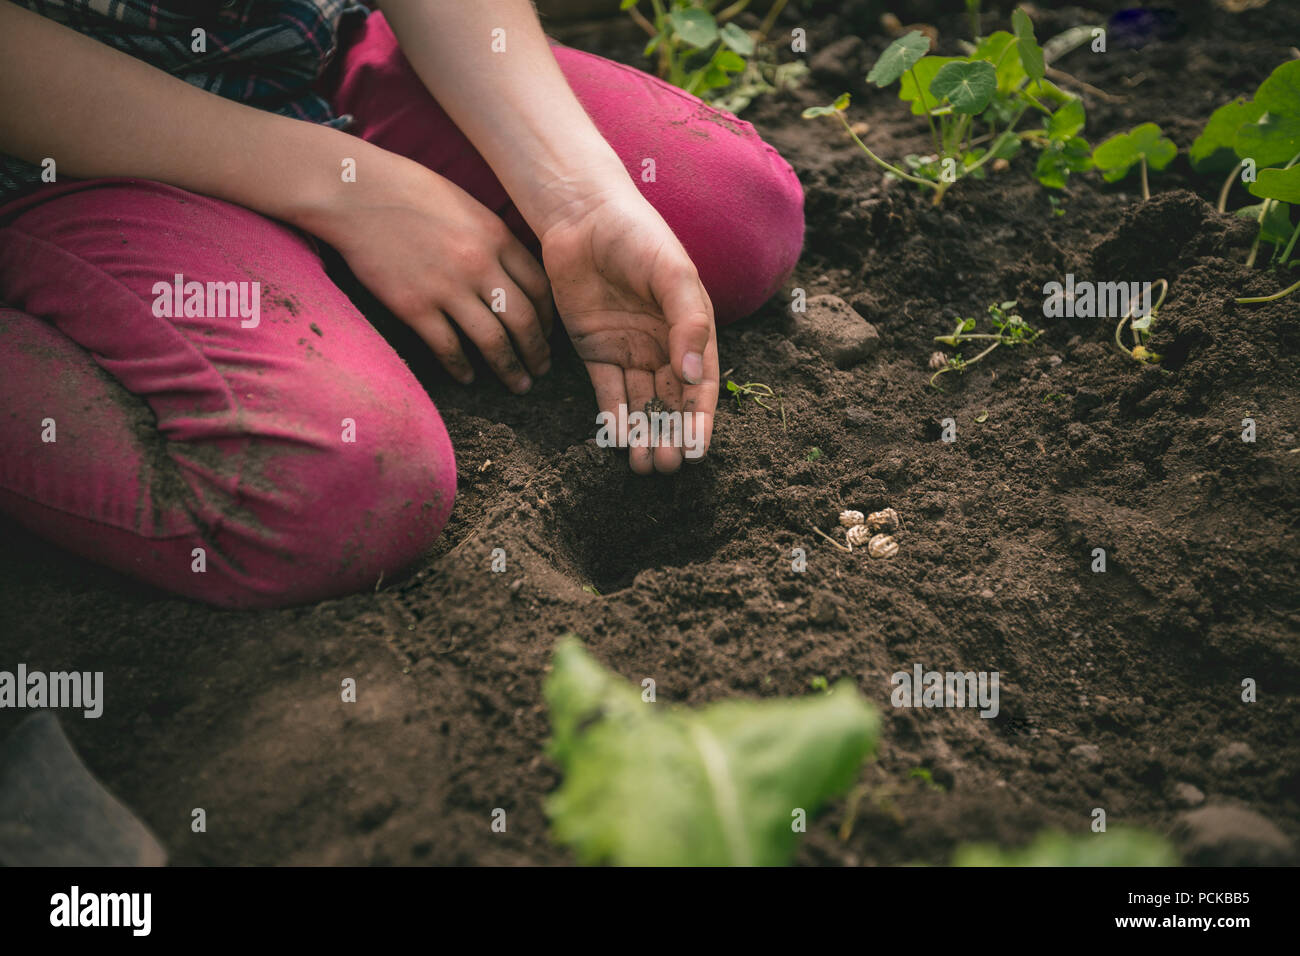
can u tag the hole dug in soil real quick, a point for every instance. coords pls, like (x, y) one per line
(610, 524)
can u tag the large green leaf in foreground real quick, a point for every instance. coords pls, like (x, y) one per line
(647, 784)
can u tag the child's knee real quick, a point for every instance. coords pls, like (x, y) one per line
(335, 516)
(734, 203)
(747, 243)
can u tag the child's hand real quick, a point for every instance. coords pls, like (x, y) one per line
(638, 316)
(436, 256)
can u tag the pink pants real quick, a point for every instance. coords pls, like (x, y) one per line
(214, 460)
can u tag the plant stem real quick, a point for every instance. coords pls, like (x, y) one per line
(991, 150)
(1119, 344)
(769, 21)
(880, 162)
(1270, 298)
(732, 11)
(1290, 245)
(925, 105)
(1146, 189)
(1227, 187)
(1263, 212)
(639, 18)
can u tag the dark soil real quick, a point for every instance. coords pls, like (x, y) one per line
(239, 713)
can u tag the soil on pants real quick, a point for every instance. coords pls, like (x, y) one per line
(1120, 690)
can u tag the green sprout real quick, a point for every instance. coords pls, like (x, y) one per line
(761, 394)
(923, 774)
(973, 105)
(683, 31)
(813, 454)
(1140, 328)
(1009, 329)
(1143, 146)
(820, 683)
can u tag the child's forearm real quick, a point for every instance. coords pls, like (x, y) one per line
(98, 112)
(505, 91)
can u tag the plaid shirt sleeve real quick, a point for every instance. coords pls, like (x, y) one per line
(265, 53)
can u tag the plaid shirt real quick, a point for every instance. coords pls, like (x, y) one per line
(265, 53)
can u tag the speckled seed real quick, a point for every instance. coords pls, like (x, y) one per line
(882, 546)
(938, 360)
(857, 535)
(850, 519)
(886, 521)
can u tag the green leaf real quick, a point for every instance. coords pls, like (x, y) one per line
(1276, 227)
(728, 60)
(924, 70)
(1280, 93)
(1270, 141)
(1117, 155)
(993, 48)
(1215, 149)
(648, 784)
(626, 4)
(737, 39)
(899, 57)
(1065, 123)
(1150, 142)
(1280, 184)
(695, 26)
(839, 106)
(1117, 846)
(1031, 54)
(1051, 170)
(967, 85)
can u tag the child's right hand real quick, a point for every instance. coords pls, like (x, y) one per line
(436, 256)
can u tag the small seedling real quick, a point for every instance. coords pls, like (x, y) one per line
(927, 778)
(1009, 329)
(682, 31)
(1001, 80)
(1143, 146)
(820, 683)
(761, 394)
(813, 454)
(1140, 328)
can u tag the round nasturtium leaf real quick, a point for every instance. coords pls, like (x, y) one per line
(695, 26)
(899, 57)
(1280, 184)
(1215, 149)
(1270, 141)
(968, 86)
(737, 39)
(1117, 155)
(1280, 93)
(1150, 142)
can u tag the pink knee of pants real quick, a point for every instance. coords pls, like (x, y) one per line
(299, 456)
(734, 203)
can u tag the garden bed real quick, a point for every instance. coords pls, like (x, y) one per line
(1120, 690)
